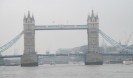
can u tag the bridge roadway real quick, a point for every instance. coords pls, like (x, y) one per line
(15, 56)
(61, 27)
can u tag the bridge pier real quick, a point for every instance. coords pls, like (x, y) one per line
(2, 63)
(29, 58)
(93, 57)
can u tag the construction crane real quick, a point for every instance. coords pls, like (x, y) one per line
(129, 38)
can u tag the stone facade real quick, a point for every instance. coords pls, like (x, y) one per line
(93, 56)
(29, 57)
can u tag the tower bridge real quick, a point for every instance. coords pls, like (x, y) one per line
(30, 57)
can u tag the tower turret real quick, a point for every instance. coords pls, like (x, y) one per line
(92, 18)
(92, 14)
(33, 20)
(97, 18)
(28, 19)
(24, 19)
(88, 18)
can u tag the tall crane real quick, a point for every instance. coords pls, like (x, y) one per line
(129, 38)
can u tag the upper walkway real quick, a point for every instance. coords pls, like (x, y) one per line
(61, 27)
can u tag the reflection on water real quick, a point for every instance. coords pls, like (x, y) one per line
(68, 71)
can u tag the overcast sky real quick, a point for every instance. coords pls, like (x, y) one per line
(116, 20)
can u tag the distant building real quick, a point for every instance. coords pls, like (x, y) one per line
(47, 52)
(63, 51)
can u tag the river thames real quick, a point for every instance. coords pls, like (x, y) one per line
(68, 71)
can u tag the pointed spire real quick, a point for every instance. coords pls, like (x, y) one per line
(33, 17)
(24, 16)
(92, 14)
(88, 16)
(97, 16)
(28, 14)
(92, 11)
(24, 19)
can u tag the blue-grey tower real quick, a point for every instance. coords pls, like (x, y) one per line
(93, 57)
(29, 57)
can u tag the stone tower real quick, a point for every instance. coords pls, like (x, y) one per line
(29, 58)
(93, 57)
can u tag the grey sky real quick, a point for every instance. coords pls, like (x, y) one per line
(116, 20)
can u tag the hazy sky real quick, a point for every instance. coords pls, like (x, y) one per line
(116, 19)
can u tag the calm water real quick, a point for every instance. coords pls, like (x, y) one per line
(68, 71)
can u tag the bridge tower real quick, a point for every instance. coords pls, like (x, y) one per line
(93, 57)
(29, 57)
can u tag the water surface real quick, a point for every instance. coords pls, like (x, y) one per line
(68, 71)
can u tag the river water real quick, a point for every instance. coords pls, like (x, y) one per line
(68, 71)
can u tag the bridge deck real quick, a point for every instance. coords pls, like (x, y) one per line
(15, 56)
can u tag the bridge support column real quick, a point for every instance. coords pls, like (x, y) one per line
(29, 58)
(1, 61)
(93, 57)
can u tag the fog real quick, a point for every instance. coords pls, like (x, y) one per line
(115, 20)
